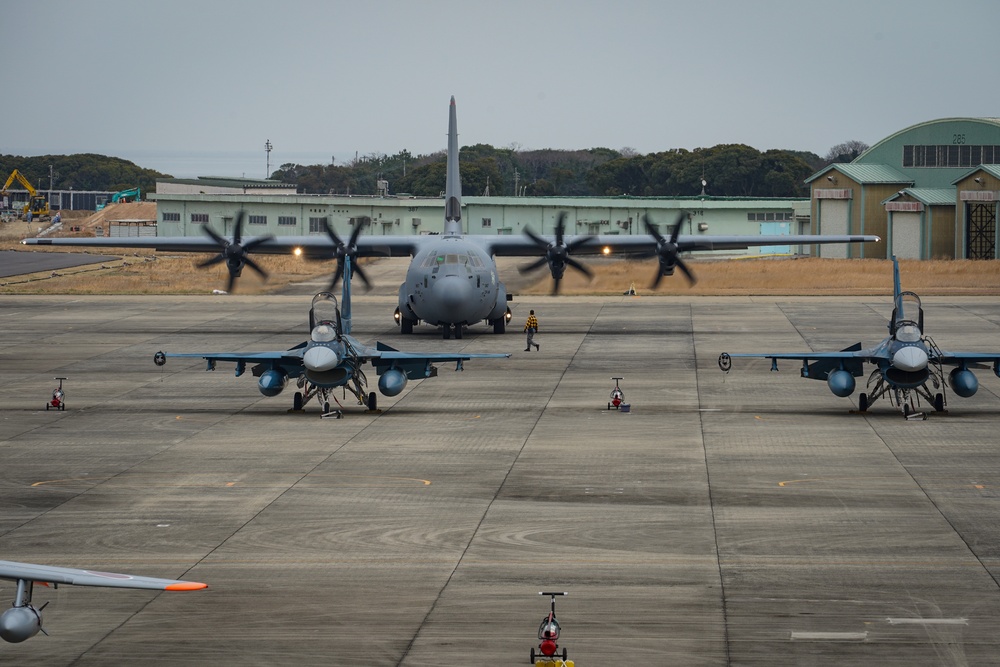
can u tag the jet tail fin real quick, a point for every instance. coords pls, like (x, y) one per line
(896, 288)
(345, 301)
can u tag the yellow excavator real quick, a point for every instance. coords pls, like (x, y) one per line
(38, 205)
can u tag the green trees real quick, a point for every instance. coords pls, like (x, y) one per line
(81, 171)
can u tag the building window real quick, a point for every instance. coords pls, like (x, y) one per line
(287, 220)
(950, 155)
(316, 225)
(199, 218)
(487, 222)
(171, 217)
(769, 217)
(258, 220)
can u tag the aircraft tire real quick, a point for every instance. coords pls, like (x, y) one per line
(326, 408)
(906, 409)
(372, 401)
(447, 332)
(863, 402)
(297, 401)
(458, 332)
(405, 326)
(499, 325)
(939, 402)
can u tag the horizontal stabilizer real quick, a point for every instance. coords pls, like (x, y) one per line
(820, 370)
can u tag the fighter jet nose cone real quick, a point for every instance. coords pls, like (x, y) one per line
(910, 359)
(454, 293)
(320, 358)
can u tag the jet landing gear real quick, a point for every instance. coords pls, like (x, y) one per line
(448, 329)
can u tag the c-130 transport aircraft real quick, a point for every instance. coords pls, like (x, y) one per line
(452, 280)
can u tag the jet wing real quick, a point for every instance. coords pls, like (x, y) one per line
(288, 360)
(416, 365)
(644, 243)
(958, 358)
(850, 359)
(65, 575)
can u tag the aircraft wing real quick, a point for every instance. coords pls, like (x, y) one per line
(850, 359)
(316, 245)
(416, 365)
(288, 360)
(644, 243)
(956, 358)
(65, 575)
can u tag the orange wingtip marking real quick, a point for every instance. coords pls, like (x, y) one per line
(186, 586)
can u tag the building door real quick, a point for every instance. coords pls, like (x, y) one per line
(833, 218)
(980, 230)
(906, 235)
(775, 229)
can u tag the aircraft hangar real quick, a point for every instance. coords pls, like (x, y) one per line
(930, 191)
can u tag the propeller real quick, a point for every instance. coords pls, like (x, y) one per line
(350, 249)
(556, 253)
(668, 251)
(235, 253)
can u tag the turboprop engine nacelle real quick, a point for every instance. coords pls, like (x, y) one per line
(963, 382)
(272, 382)
(20, 623)
(841, 383)
(392, 382)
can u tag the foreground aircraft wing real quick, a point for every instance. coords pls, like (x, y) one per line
(65, 575)
(288, 360)
(384, 357)
(850, 359)
(960, 358)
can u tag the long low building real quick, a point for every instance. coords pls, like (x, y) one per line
(184, 214)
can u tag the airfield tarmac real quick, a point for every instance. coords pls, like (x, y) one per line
(740, 519)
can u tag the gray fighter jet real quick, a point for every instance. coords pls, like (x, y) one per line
(452, 280)
(908, 364)
(23, 621)
(332, 358)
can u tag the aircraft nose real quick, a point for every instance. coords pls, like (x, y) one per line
(910, 359)
(320, 358)
(454, 293)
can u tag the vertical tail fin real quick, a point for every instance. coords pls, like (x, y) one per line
(896, 289)
(453, 181)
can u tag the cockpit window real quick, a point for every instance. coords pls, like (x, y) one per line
(908, 333)
(324, 332)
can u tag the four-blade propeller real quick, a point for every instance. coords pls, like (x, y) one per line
(349, 249)
(235, 253)
(556, 253)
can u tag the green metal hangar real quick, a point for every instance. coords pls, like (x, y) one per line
(930, 191)
(184, 207)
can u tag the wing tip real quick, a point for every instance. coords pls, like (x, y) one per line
(186, 586)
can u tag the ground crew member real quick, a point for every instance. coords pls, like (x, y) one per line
(531, 327)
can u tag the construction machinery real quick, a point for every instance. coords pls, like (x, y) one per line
(37, 205)
(132, 194)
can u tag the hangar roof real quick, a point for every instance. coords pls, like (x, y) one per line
(864, 173)
(991, 169)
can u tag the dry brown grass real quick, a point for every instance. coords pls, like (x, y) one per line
(145, 272)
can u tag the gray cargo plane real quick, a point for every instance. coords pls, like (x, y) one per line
(452, 280)
(332, 358)
(23, 621)
(908, 364)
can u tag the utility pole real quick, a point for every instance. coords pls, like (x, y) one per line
(517, 177)
(267, 150)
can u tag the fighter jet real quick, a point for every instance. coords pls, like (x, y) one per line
(452, 281)
(332, 358)
(23, 621)
(908, 364)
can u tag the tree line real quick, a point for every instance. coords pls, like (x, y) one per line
(80, 171)
(733, 170)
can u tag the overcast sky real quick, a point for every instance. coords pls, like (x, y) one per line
(122, 77)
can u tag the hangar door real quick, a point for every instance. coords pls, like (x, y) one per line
(980, 230)
(906, 235)
(833, 215)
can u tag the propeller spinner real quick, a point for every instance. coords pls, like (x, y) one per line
(556, 253)
(235, 253)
